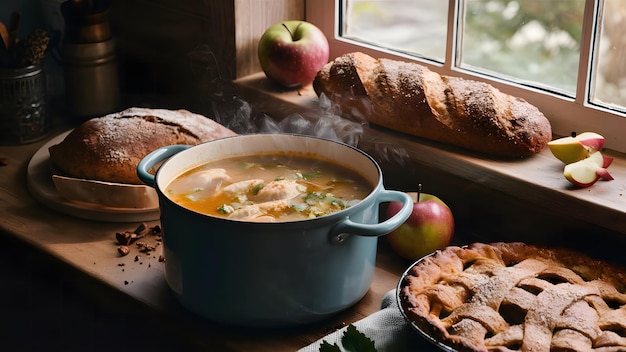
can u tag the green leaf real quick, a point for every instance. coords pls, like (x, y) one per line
(326, 347)
(355, 341)
(352, 341)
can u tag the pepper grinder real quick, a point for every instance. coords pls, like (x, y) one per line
(89, 60)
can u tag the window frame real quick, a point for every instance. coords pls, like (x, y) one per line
(566, 114)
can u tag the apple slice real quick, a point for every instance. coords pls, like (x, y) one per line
(606, 161)
(575, 148)
(591, 140)
(586, 172)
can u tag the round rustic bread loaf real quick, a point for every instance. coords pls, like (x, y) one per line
(109, 148)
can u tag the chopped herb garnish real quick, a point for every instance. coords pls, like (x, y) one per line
(299, 207)
(225, 209)
(311, 175)
(314, 196)
(337, 203)
(255, 190)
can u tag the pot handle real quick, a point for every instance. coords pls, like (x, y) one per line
(154, 158)
(343, 229)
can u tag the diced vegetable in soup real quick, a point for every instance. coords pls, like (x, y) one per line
(267, 188)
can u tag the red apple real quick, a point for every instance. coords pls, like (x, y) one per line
(292, 52)
(429, 227)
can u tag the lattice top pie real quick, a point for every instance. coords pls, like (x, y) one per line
(516, 297)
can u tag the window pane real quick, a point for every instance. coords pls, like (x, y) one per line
(532, 41)
(610, 69)
(413, 26)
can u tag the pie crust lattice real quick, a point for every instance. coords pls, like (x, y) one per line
(516, 297)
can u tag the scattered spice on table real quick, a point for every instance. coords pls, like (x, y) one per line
(126, 238)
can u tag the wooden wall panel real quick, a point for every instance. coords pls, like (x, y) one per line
(252, 18)
(173, 46)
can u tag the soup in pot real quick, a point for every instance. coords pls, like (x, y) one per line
(269, 188)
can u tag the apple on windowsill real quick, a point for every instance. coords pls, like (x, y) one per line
(292, 52)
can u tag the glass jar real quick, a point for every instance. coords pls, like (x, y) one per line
(23, 109)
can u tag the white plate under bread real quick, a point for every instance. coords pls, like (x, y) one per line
(85, 198)
(109, 194)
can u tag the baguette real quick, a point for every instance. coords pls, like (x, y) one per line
(412, 99)
(109, 148)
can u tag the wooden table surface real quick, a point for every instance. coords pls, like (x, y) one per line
(87, 252)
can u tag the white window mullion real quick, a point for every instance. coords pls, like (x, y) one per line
(452, 54)
(587, 47)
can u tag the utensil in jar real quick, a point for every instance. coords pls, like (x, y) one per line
(4, 33)
(14, 26)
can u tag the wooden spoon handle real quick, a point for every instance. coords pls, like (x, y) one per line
(4, 33)
(14, 25)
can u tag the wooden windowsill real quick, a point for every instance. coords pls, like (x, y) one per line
(528, 195)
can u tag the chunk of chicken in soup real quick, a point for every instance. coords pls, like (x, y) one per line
(269, 188)
(241, 186)
(259, 212)
(272, 198)
(204, 184)
(279, 190)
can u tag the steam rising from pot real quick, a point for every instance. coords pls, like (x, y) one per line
(324, 120)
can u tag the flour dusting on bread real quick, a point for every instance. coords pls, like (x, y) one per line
(109, 148)
(412, 99)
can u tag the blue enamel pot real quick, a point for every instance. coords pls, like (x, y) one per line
(269, 274)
